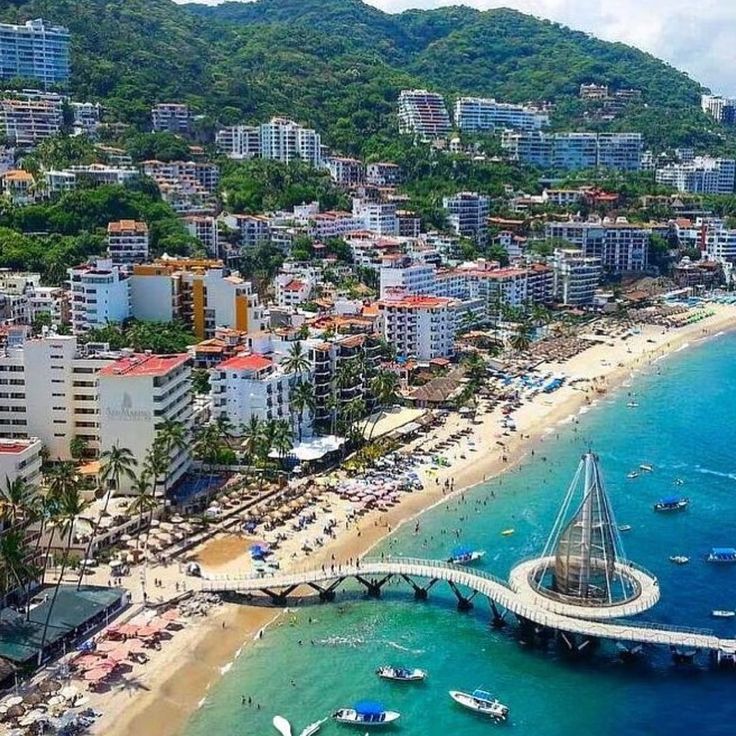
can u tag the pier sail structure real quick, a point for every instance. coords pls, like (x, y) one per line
(583, 557)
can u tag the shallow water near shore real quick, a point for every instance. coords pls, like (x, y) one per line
(323, 656)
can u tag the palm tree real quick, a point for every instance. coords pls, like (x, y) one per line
(115, 464)
(475, 368)
(18, 501)
(281, 439)
(144, 501)
(522, 339)
(297, 361)
(71, 508)
(156, 464)
(251, 437)
(385, 388)
(173, 435)
(14, 570)
(301, 399)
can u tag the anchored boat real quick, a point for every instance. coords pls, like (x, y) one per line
(720, 613)
(679, 559)
(366, 713)
(672, 503)
(722, 554)
(647, 468)
(401, 674)
(465, 556)
(482, 702)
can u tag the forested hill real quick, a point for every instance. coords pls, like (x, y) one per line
(339, 64)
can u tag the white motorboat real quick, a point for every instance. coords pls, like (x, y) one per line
(679, 559)
(625, 528)
(633, 474)
(647, 468)
(465, 556)
(401, 674)
(366, 713)
(720, 613)
(482, 702)
(282, 725)
(312, 728)
(632, 404)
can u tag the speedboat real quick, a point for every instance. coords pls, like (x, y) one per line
(282, 725)
(720, 613)
(672, 503)
(366, 713)
(646, 468)
(465, 556)
(507, 532)
(679, 482)
(633, 474)
(401, 674)
(312, 728)
(722, 554)
(482, 702)
(625, 528)
(679, 559)
(632, 404)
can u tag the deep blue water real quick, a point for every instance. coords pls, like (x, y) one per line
(684, 426)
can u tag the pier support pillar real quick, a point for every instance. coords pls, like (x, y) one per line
(421, 592)
(498, 621)
(373, 587)
(683, 656)
(464, 603)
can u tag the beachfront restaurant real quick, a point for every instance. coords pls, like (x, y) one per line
(74, 616)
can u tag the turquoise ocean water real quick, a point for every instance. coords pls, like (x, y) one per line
(685, 426)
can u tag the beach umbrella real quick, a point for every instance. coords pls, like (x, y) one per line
(171, 615)
(155, 523)
(16, 711)
(87, 662)
(32, 698)
(96, 675)
(146, 632)
(125, 538)
(69, 692)
(107, 645)
(135, 646)
(120, 654)
(56, 700)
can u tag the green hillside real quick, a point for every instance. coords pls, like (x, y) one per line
(339, 64)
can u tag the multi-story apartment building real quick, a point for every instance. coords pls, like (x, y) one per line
(410, 223)
(347, 172)
(28, 117)
(201, 293)
(284, 140)
(474, 114)
(99, 294)
(574, 151)
(716, 240)
(127, 242)
(620, 246)
(204, 228)
(48, 389)
(383, 174)
(400, 274)
(722, 109)
(239, 142)
(576, 277)
(86, 118)
(18, 186)
(326, 225)
(467, 213)
(138, 393)
(252, 385)
(378, 217)
(423, 114)
(701, 175)
(205, 175)
(419, 327)
(171, 117)
(334, 387)
(35, 50)
(252, 230)
(65, 180)
(619, 151)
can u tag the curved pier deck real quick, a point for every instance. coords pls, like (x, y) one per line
(374, 573)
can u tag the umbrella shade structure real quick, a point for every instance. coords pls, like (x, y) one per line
(87, 662)
(69, 692)
(33, 698)
(135, 646)
(119, 655)
(147, 632)
(107, 645)
(13, 700)
(96, 675)
(171, 615)
(16, 711)
(50, 686)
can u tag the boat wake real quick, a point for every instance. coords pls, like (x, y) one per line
(719, 474)
(402, 648)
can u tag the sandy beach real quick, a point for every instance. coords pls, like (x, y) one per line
(172, 685)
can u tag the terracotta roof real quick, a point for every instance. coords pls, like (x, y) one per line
(126, 226)
(142, 364)
(246, 362)
(416, 302)
(14, 448)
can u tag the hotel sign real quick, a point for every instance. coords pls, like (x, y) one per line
(126, 412)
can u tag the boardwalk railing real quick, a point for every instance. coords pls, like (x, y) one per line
(486, 584)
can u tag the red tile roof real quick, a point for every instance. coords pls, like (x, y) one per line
(142, 364)
(246, 362)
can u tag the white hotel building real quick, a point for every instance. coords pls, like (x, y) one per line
(284, 140)
(127, 242)
(423, 114)
(99, 294)
(420, 327)
(702, 175)
(473, 114)
(576, 277)
(253, 385)
(137, 394)
(239, 142)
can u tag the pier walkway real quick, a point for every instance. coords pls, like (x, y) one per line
(374, 573)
